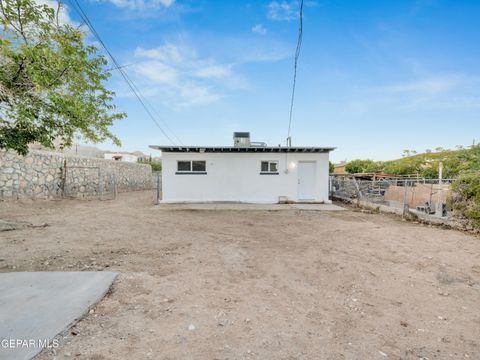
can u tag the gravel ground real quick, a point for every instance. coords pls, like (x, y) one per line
(254, 284)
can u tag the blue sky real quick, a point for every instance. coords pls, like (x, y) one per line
(374, 77)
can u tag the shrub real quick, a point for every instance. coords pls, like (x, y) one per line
(465, 199)
(156, 165)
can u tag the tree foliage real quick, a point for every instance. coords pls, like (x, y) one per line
(156, 165)
(361, 166)
(405, 166)
(51, 82)
(331, 167)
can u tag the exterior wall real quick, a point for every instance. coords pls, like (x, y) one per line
(236, 177)
(42, 175)
(340, 169)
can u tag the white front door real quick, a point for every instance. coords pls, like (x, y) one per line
(306, 180)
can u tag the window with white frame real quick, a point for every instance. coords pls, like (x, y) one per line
(191, 167)
(269, 168)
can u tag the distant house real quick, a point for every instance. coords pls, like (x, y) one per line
(246, 172)
(340, 168)
(141, 156)
(119, 156)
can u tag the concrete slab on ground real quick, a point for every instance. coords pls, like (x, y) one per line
(245, 206)
(37, 306)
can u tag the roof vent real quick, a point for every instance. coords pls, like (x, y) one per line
(241, 139)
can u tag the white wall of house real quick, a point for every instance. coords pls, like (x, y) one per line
(236, 177)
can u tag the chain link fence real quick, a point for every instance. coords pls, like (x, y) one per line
(421, 196)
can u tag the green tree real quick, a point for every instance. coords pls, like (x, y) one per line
(156, 165)
(331, 167)
(51, 82)
(407, 166)
(359, 166)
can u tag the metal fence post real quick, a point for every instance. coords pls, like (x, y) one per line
(114, 186)
(405, 205)
(439, 207)
(158, 187)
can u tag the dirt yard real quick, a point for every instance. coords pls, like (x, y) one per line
(255, 284)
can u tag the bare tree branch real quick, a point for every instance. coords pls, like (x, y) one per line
(20, 23)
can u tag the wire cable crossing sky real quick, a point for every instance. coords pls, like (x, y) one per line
(143, 101)
(297, 55)
(377, 77)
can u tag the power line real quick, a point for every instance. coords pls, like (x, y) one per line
(127, 79)
(297, 54)
(158, 115)
(126, 65)
(134, 89)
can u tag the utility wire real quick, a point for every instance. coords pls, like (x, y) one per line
(156, 112)
(134, 89)
(125, 65)
(297, 54)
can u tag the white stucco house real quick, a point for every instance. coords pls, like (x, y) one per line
(246, 172)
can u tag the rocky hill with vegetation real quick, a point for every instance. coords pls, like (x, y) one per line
(455, 162)
(461, 164)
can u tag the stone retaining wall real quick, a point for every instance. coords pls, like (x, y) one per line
(45, 175)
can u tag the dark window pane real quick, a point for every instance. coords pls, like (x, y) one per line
(264, 166)
(198, 166)
(273, 167)
(183, 166)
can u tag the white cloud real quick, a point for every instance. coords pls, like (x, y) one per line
(434, 85)
(287, 10)
(142, 4)
(167, 53)
(214, 71)
(441, 91)
(177, 75)
(283, 10)
(195, 94)
(259, 29)
(157, 72)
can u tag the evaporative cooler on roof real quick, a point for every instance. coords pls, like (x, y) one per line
(241, 139)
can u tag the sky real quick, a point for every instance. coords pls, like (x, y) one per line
(374, 77)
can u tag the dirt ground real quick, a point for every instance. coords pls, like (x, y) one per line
(254, 284)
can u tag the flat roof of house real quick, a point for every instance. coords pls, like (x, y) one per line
(243, 149)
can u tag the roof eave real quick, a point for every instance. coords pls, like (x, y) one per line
(233, 149)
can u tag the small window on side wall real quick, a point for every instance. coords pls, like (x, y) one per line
(269, 168)
(191, 167)
(184, 166)
(198, 166)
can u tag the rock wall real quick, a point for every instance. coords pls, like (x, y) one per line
(49, 175)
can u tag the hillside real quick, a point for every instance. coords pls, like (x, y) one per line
(425, 164)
